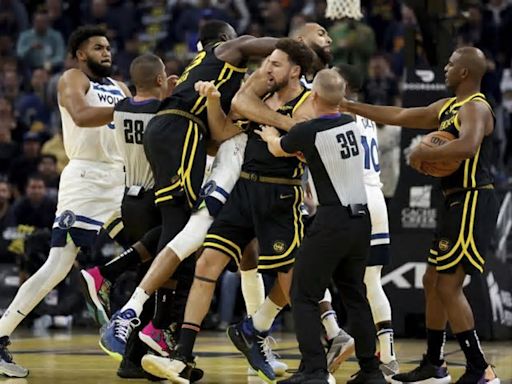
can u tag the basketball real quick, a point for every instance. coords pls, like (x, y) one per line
(439, 168)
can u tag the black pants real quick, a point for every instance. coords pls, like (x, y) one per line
(139, 214)
(336, 245)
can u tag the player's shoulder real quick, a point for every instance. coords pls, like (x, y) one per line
(149, 106)
(74, 76)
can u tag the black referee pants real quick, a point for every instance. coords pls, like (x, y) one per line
(336, 245)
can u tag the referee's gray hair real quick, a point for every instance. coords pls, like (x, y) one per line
(144, 69)
(330, 86)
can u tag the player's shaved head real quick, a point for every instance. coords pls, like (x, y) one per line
(144, 70)
(315, 37)
(474, 60)
(329, 86)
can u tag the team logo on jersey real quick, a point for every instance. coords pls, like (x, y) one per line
(208, 188)
(444, 245)
(66, 220)
(279, 247)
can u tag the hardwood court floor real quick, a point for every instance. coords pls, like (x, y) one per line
(76, 359)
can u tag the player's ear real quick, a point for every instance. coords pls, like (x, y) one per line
(295, 71)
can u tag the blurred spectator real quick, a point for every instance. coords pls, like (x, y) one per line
(10, 86)
(13, 18)
(124, 58)
(34, 107)
(187, 24)
(238, 11)
(380, 87)
(55, 147)
(35, 208)
(47, 169)
(8, 148)
(480, 30)
(41, 46)
(7, 220)
(51, 94)
(506, 88)
(173, 66)
(60, 22)
(500, 12)
(275, 19)
(8, 120)
(380, 17)
(353, 43)
(116, 17)
(26, 163)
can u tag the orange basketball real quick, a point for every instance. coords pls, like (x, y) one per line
(439, 168)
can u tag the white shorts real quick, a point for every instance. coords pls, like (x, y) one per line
(378, 215)
(90, 193)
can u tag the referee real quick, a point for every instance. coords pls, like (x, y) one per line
(339, 234)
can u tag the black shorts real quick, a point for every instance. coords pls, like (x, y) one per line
(468, 220)
(176, 149)
(269, 212)
(139, 214)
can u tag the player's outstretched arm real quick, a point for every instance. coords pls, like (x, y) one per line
(271, 136)
(72, 87)
(242, 48)
(249, 104)
(421, 117)
(221, 126)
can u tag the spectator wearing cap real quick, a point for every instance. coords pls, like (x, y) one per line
(41, 46)
(25, 164)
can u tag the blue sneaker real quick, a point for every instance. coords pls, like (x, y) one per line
(114, 337)
(252, 344)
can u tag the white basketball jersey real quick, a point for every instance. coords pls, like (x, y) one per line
(94, 144)
(370, 145)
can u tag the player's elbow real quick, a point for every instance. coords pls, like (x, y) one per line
(239, 103)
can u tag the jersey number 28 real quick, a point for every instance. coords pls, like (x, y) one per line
(133, 131)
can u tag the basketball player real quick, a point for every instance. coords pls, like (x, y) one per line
(179, 167)
(225, 173)
(468, 216)
(339, 233)
(91, 185)
(268, 194)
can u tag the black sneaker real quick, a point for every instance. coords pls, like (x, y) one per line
(129, 370)
(301, 377)
(363, 377)
(426, 373)
(477, 376)
(176, 369)
(7, 365)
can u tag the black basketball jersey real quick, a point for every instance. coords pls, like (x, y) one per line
(205, 67)
(130, 120)
(259, 160)
(475, 171)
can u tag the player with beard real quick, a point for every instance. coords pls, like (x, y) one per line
(265, 203)
(91, 185)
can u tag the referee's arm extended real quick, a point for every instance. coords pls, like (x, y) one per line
(274, 141)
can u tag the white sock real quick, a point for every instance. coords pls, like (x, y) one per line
(330, 323)
(32, 291)
(381, 311)
(253, 290)
(265, 315)
(386, 347)
(137, 301)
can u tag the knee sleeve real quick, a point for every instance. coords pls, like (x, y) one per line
(192, 236)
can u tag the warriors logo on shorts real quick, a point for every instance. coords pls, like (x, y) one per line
(279, 247)
(444, 245)
(66, 220)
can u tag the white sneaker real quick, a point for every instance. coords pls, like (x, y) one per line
(390, 369)
(165, 368)
(331, 379)
(278, 366)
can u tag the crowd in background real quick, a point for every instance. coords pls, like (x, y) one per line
(33, 54)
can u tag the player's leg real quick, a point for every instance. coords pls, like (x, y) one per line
(253, 289)
(208, 269)
(32, 291)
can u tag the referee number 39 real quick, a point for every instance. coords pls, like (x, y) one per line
(348, 144)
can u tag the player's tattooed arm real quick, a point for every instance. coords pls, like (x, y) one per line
(72, 87)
